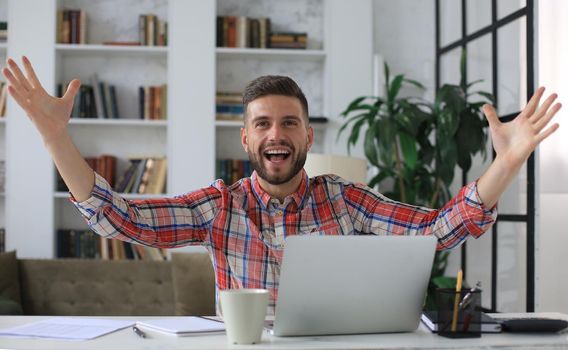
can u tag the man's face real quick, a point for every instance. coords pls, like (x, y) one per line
(276, 137)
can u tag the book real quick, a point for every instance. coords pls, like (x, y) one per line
(180, 326)
(488, 324)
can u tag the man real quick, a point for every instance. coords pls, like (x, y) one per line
(244, 225)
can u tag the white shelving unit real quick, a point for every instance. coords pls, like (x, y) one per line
(332, 72)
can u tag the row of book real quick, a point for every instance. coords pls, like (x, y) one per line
(3, 32)
(85, 244)
(95, 100)
(241, 31)
(229, 106)
(72, 26)
(105, 165)
(152, 31)
(144, 176)
(232, 170)
(3, 97)
(2, 239)
(153, 102)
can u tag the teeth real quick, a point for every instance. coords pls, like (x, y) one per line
(276, 151)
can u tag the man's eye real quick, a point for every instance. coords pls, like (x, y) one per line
(290, 123)
(261, 124)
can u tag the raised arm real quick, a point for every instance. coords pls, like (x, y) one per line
(50, 116)
(514, 142)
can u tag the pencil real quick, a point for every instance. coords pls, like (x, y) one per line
(457, 301)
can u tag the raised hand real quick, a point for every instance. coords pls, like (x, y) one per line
(516, 140)
(49, 114)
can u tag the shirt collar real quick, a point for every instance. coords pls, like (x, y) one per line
(264, 198)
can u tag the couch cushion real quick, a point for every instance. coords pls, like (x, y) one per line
(96, 287)
(194, 284)
(9, 284)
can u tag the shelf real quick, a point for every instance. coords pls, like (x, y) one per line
(271, 54)
(88, 49)
(118, 122)
(3, 47)
(65, 195)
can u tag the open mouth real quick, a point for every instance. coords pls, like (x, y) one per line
(277, 155)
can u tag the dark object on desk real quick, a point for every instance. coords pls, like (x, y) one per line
(488, 324)
(456, 322)
(533, 325)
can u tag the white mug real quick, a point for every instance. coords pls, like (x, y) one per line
(244, 311)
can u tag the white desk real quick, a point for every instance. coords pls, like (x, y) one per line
(420, 339)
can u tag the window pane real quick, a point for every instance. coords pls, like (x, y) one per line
(514, 199)
(479, 64)
(478, 15)
(511, 267)
(511, 67)
(450, 21)
(450, 67)
(506, 7)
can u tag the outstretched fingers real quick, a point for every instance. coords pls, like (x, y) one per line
(533, 103)
(31, 73)
(543, 109)
(543, 121)
(13, 80)
(15, 70)
(21, 100)
(491, 116)
(547, 132)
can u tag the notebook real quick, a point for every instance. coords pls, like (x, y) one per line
(352, 284)
(488, 324)
(182, 326)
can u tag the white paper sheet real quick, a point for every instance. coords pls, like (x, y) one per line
(184, 325)
(67, 328)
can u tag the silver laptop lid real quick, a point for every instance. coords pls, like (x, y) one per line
(352, 284)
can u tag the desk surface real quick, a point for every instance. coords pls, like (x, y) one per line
(420, 339)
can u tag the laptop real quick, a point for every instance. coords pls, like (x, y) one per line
(352, 284)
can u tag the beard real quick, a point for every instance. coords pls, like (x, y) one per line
(257, 162)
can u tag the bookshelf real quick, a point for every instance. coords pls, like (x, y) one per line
(332, 70)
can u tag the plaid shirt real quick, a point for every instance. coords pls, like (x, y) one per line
(244, 229)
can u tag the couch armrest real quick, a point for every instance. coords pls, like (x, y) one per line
(193, 283)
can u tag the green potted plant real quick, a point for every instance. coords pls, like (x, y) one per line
(415, 146)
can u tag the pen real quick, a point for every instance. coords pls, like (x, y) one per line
(139, 332)
(467, 298)
(456, 301)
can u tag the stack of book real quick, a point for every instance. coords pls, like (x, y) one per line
(3, 32)
(71, 26)
(86, 244)
(152, 31)
(233, 31)
(3, 96)
(97, 100)
(145, 176)
(153, 102)
(288, 40)
(229, 106)
(232, 170)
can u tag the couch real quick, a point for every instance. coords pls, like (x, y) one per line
(184, 285)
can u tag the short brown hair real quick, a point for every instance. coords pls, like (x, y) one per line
(274, 85)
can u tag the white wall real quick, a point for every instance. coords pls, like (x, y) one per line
(553, 55)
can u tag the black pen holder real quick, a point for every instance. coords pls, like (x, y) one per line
(459, 313)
